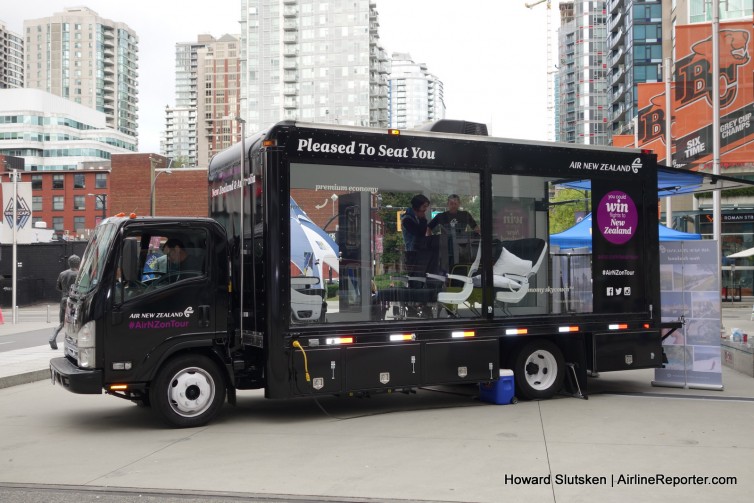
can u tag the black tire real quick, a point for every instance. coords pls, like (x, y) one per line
(539, 369)
(188, 391)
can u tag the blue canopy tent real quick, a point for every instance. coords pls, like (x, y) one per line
(580, 235)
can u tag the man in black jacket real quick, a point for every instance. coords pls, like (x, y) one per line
(65, 280)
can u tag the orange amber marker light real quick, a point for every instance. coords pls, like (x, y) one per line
(118, 387)
(394, 132)
(618, 326)
(646, 325)
(121, 214)
(568, 329)
(269, 143)
(132, 216)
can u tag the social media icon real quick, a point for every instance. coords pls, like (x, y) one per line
(610, 291)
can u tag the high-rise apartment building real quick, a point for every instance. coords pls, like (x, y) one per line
(207, 82)
(80, 56)
(415, 96)
(313, 61)
(11, 59)
(583, 91)
(635, 56)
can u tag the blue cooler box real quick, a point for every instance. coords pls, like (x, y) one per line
(500, 392)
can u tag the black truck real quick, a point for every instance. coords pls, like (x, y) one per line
(300, 283)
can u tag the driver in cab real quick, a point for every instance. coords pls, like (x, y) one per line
(180, 264)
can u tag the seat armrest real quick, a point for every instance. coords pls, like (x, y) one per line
(436, 277)
(465, 279)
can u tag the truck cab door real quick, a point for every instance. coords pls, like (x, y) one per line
(163, 298)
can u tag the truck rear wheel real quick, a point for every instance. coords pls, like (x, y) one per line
(539, 369)
(188, 391)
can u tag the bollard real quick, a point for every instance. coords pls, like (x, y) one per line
(48, 313)
(752, 313)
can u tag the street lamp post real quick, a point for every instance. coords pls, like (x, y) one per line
(14, 174)
(154, 181)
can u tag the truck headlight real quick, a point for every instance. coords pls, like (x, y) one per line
(85, 337)
(86, 358)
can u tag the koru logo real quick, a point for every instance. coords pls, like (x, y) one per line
(188, 311)
(693, 75)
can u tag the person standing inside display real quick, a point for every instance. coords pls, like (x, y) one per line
(454, 222)
(420, 255)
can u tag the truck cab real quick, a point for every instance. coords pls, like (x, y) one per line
(148, 289)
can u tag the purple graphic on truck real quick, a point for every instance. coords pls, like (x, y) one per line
(617, 217)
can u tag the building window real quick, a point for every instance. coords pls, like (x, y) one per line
(57, 223)
(58, 182)
(79, 223)
(79, 181)
(100, 181)
(58, 203)
(36, 182)
(36, 203)
(79, 202)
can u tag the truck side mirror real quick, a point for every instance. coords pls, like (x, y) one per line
(130, 260)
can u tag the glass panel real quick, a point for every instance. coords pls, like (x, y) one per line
(360, 250)
(152, 260)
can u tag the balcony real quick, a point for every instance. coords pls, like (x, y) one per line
(290, 11)
(616, 38)
(613, 5)
(618, 112)
(618, 73)
(618, 57)
(615, 21)
(290, 24)
(290, 38)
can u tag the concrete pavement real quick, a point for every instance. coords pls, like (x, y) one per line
(430, 446)
(30, 364)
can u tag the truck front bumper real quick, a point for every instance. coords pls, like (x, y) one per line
(74, 379)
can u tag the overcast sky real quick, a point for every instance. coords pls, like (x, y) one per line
(490, 54)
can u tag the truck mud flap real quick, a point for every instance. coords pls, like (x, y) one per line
(74, 379)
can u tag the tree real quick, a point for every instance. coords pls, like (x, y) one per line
(563, 208)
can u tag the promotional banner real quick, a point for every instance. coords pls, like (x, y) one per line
(693, 101)
(690, 294)
(24, 231)
(650, 126)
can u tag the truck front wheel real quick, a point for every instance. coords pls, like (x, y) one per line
(539, 369)
(188, 391)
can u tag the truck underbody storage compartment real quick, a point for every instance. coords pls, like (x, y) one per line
(625, 351)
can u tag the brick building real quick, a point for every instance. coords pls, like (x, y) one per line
(71, 202)
(181, 193)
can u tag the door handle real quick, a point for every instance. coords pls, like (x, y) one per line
(204, 316)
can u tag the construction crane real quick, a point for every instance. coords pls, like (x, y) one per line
(550, 68)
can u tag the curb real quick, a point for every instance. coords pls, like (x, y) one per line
(25, 378)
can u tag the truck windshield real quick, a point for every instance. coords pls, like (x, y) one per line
(94, 258)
